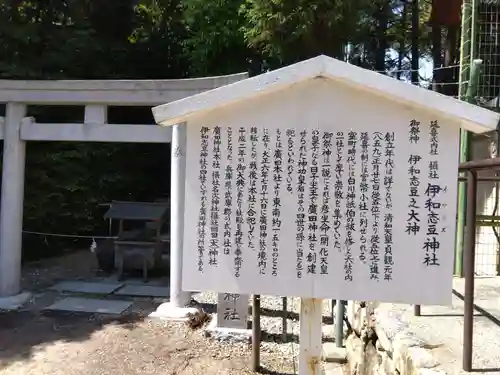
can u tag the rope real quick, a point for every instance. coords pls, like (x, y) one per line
(93, 244)
(68, 235)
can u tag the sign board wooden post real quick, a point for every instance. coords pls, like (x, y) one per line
(322, 180)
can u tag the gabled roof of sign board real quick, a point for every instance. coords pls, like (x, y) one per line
(467, 116)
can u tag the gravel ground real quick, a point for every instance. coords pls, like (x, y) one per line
(77, 344)
(444, 325)
(271, 322)
(34, 341)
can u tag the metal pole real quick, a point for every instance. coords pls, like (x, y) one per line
(333, 311)
(416, 310)
(465, 149)
(481, 164)
(465, 61)
(479, 178)
(469, 254)
(284, 317)
(256, 333)
(178, 297)
(339, 324)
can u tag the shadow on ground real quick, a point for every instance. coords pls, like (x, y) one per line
(34, 341)
(270, 372)
(211, 308)
(479, 309)
(22, 331)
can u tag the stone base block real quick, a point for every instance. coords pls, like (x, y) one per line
(228, 334)
(168, 311)
(333, 369)
(332, 353)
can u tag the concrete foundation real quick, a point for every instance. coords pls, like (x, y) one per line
(170, 311)
(14, 302)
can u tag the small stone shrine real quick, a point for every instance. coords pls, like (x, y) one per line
(232, 310)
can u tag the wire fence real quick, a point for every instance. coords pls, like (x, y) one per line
(485, 44)
(488, 49)
(487, 229)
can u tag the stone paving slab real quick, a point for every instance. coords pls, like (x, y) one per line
(143, 291)
(86, 287)
(163, 282)
(90, 305)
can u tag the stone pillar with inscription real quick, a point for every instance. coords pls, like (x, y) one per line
(232, 318)
(232, 308)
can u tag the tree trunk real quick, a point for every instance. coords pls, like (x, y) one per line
(415, 23)
(402, 40)
(437, 58)
(450, 76)
(381, 42)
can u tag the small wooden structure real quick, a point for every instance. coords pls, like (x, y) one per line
(139, 248)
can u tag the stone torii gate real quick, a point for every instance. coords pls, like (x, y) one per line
(16, 129)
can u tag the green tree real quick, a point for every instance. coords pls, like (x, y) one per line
(293, 30)
(154, 39)
(215, 44)
(85, 39)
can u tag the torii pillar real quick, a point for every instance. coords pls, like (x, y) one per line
(11, 214)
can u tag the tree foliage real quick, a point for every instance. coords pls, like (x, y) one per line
(139, 39)
(215, 43)
(291, 31)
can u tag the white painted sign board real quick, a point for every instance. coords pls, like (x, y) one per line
(321, 192)
(322, 180)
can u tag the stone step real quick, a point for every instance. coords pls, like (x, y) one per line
(90, 305)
